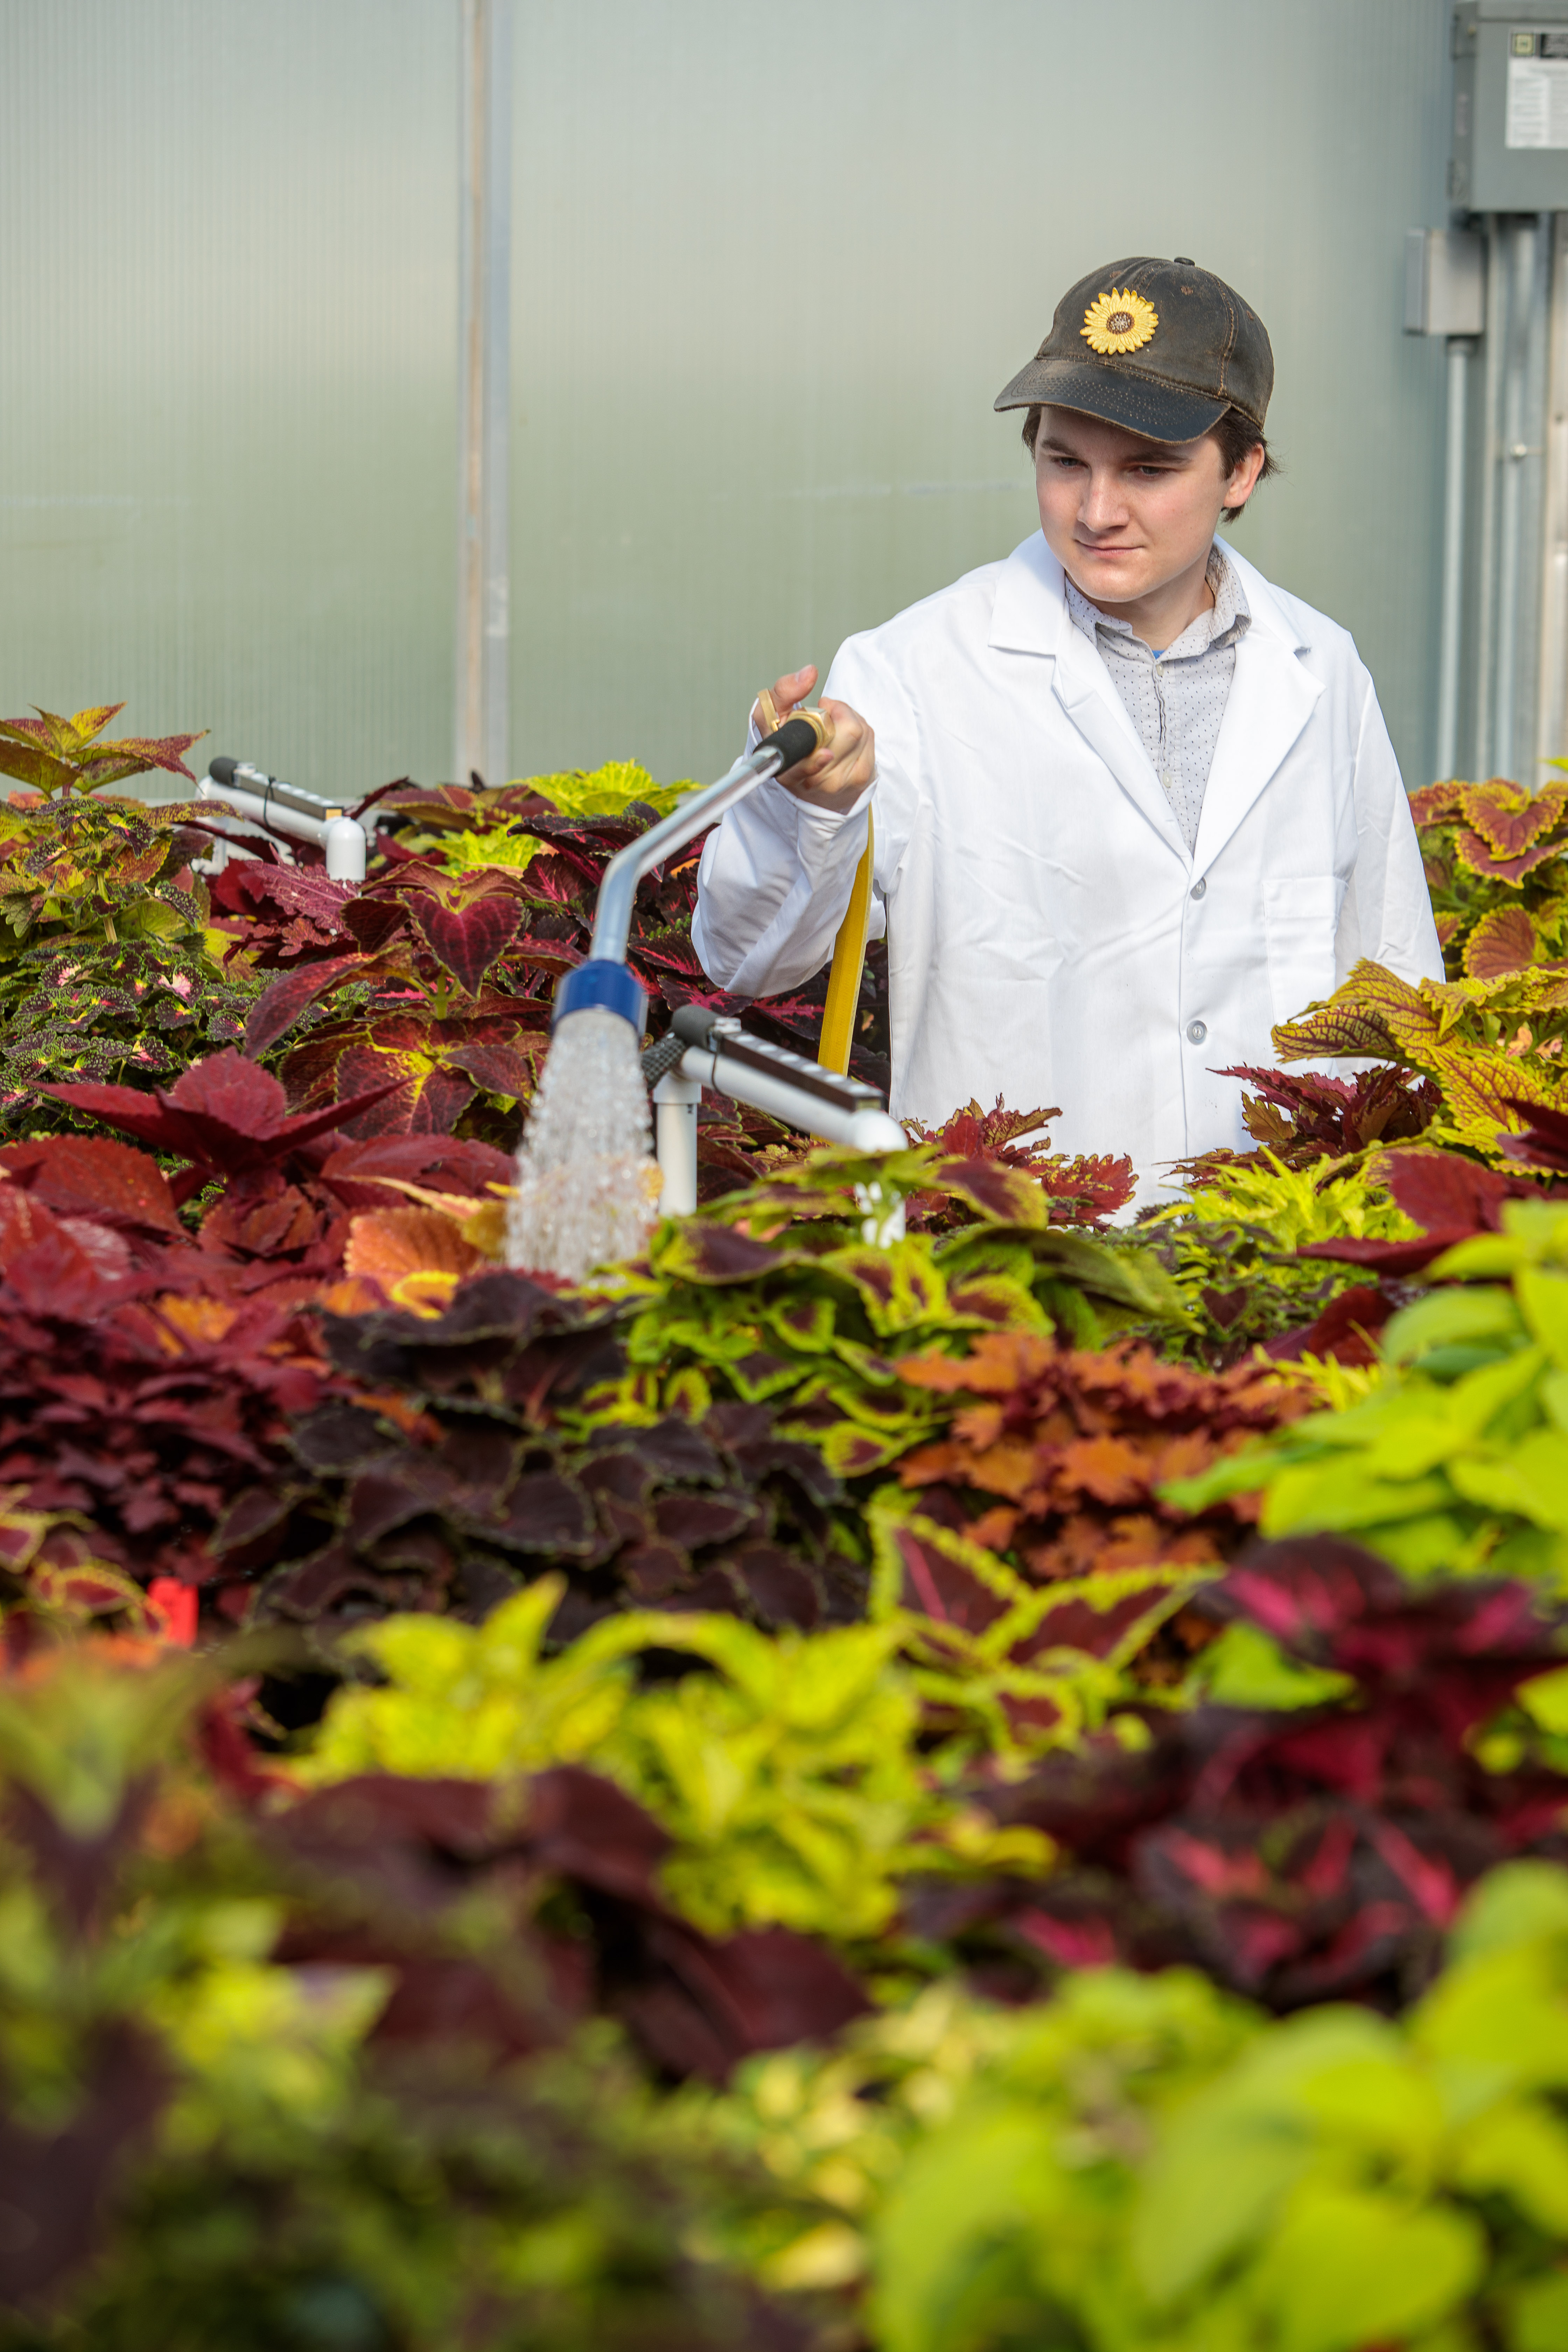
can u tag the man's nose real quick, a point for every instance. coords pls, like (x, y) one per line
(1102, 508)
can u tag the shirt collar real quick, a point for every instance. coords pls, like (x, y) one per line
(1228, 620)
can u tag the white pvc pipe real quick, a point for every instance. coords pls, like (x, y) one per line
(1515, 449)
(1453, 562)
(1483, 763)
(342, 837)
(675, 1102)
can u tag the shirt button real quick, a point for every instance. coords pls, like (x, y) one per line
(1196, 1032)
(1198, 887)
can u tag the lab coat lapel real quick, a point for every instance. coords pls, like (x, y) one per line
(1272, 698)
(1030, 615)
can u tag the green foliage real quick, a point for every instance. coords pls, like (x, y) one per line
(1144, 2165)
(789, 1774)
(129, 1013)
(1231, 1245)
(1456, 1460)
(462, 830)
(781, 1291)
(205, 2143)
(51, 754)
(104, 967)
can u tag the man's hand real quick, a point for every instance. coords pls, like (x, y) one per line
(835, 777)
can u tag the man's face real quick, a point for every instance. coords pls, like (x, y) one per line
(1122, 516)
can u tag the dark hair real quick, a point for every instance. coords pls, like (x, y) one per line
(1234, 435)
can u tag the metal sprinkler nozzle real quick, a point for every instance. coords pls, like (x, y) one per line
(605, 979)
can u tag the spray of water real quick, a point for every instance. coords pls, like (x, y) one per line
(587, 1185)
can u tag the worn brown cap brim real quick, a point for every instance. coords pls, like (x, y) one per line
(1156, 410)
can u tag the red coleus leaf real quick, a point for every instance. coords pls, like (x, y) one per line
(1344, 1331)
(278, 1008)
(467, 940)
(1544, 1143)
(225, 1114)
(90, 1175)
(1442, 1192)
(439, 1161)
(412, 1097)
(374, 922)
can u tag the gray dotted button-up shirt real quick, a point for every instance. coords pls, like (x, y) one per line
(1176, 698)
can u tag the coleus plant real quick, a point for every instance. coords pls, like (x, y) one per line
(1308, 1832)
(452, 1483)
(445, 963)
(792, 1773)
(1492, 1045)
(1242, 1249)
(1297, 1117)
(51, 754)
(1494, 858)
(280, 1189)
(117, 1011)
(775, 1293)
(1081, 1190)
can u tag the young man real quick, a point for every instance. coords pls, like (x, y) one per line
(1134, 805)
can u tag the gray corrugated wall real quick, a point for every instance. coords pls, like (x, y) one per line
(772, 264)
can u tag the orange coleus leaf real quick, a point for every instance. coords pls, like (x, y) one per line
(386, 1244)
(998, 1362)
(1109, 1468)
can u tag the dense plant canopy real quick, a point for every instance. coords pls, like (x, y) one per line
(1002, 1783)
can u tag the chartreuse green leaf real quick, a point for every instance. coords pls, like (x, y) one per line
(1353, 2267)
(988, 2180)
(1230, 2157)
(1245, 1668)
(1538, 2316)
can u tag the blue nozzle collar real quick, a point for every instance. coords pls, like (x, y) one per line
(605, 982)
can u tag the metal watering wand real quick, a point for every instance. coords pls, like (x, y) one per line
(587, 1188)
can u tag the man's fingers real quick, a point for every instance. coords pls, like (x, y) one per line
(793, 688)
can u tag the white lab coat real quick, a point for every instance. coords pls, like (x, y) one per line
(1051, 937)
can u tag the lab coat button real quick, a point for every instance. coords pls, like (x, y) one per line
(1196, 1032)
(1199, 887)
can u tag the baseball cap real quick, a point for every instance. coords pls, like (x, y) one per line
(1162, 348)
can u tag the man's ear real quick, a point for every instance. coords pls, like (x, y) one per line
(1244, 481)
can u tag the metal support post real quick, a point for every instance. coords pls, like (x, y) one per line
(1513, 450)
(484, 399)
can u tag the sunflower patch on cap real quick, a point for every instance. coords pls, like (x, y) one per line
(1119, 322)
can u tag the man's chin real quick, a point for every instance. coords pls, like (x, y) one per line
(1109, 582)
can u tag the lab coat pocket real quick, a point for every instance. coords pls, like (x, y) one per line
(1300, 916)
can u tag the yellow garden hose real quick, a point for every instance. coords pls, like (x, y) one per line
(848, 961)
